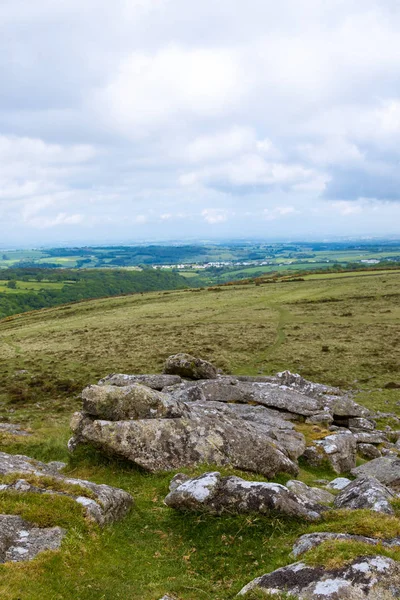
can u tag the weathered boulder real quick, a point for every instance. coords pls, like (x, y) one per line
(312, 540)
(366, 578)
(102, 503)
(156, 382)
(215, 494)
(368, 451)
(134, 401)
(189, 367)
(309, 494)
(366, 492)
(167, 444)
(22, 541)
(340, 450)
(385, 469)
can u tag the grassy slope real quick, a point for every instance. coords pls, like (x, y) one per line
(343, 331)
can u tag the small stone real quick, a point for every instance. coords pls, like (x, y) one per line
(339, 483)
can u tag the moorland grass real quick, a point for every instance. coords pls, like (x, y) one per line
(341, 332)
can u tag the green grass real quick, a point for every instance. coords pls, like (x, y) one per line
(48, 356)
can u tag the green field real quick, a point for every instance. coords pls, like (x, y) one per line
(29, 286)
(342, 332)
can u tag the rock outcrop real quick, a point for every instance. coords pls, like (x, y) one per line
(102, 503)
(366, 578)
(210, 418)
(214, 494)
(22, 541)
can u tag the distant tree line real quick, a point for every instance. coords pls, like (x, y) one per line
(82, 285)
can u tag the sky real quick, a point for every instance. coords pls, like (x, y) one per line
(140, 120)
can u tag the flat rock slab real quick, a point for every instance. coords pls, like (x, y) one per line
(312, 540)
(366, 493)
(214, 494)
(367, 578)
(102, 503)
(21, 541)
(386, 470)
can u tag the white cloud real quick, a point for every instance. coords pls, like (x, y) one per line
(277, 212)
(176, 82)
(214, 215)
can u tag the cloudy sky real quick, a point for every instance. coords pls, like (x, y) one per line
(172, 119)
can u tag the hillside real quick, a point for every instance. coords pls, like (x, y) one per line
(342, 331)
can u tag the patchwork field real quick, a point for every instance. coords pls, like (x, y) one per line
(341, 331)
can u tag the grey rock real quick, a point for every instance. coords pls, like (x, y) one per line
(177, 480)
(360, 423)
(215, 494)
(108, 504)
(322, 418)
(309, 494)
(366, 578)
(313, 456)
(296, 382)
(189, 367)
(385, 469)
(21, 541)
(168, 444)
(368, 451)
(312, 540)
(264, 394)
(339, 483)
(375, 437)
(133, 401)
(366, 492)
(340, 450)
(156, 382)
(13, 429)
(56, 465)
(345, 408)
